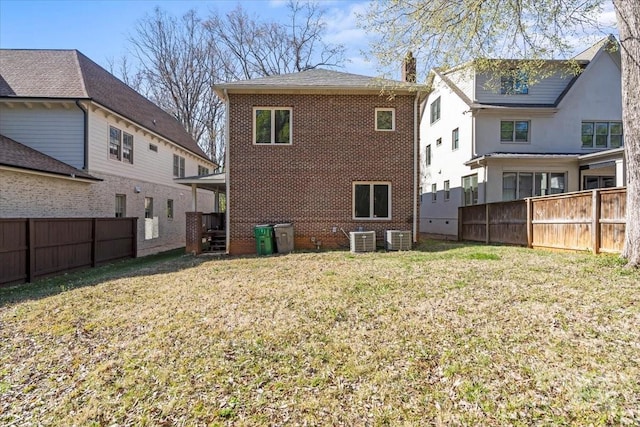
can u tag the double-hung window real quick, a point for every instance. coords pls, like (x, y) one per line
(602, 135)
(272, 125)
(178, 166)
(202, 170)
(372, 200)
(514, 131)
(385, 119)
(455, 137)
(435, 110)
(120, 145)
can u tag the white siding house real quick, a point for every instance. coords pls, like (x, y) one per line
(130, 149)
(560, 134)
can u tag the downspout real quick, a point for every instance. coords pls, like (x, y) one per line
(226, 170)
(415, 167)
(86, 135)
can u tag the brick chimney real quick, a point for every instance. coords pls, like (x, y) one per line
(409, 68)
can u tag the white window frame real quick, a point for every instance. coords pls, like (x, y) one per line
(371, 216)
(469, 179)
(202, 170)
(273, 127)
(393, 119)
(434, 193)
(513, 132)
(447, 190)
(428, 155)
(120, 144)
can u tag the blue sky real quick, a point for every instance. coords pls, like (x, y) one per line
(100, 29)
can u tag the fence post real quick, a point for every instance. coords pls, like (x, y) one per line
(94, 241)
(31, 250)
(529, 222)
(595, 221)
(486, 223)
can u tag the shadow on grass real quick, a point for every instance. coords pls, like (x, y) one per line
(164, 262)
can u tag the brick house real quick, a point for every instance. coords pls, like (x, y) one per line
(78, 142)
(328, 151)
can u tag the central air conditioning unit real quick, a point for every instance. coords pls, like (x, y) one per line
(397, 240)
(362, 241)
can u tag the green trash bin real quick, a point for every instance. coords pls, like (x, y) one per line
(264, 239)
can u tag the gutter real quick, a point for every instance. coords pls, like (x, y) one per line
(415, 167)
(227, 199)
(85, 165)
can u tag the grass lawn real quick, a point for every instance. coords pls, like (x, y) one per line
(445, 335)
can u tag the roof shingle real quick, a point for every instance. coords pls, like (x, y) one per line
(68, 74)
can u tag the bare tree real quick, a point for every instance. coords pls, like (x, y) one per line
(258, 48)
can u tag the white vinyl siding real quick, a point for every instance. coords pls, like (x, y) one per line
(57, 132)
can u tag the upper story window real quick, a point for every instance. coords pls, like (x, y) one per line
(514, 131)
(178, 166)
(153, 147)
(602, 135)
(202, 170)
(120, 145)
(435, 110)
(371, 200)
(385, 119)
(447, 191)
(438, 142)
(514, 85)
(271, 125)
(427, 155)
(455, 139)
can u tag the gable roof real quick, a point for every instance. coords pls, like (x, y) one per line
(16, 155)
(583, 59)
(315, 80)
(68, 74)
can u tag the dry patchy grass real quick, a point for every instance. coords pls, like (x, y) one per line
(450, 335)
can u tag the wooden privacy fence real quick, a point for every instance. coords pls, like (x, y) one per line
(587, 220)
(37, 247)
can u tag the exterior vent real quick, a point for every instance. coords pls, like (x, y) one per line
(363, 241)
(398, 240)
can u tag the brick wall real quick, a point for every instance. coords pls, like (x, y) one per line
(310, 182)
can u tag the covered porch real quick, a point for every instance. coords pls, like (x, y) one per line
(206, 231)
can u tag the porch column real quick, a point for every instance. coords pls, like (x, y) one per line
(194, 233)
(621, 178)
(194, 198)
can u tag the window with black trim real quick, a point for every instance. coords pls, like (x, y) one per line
(435, 110)
(518, 185)
(120, 145)
(372, 200)
(455, 139)
(202, 170)
(169, 208)
(272, 125)
(427, 155)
